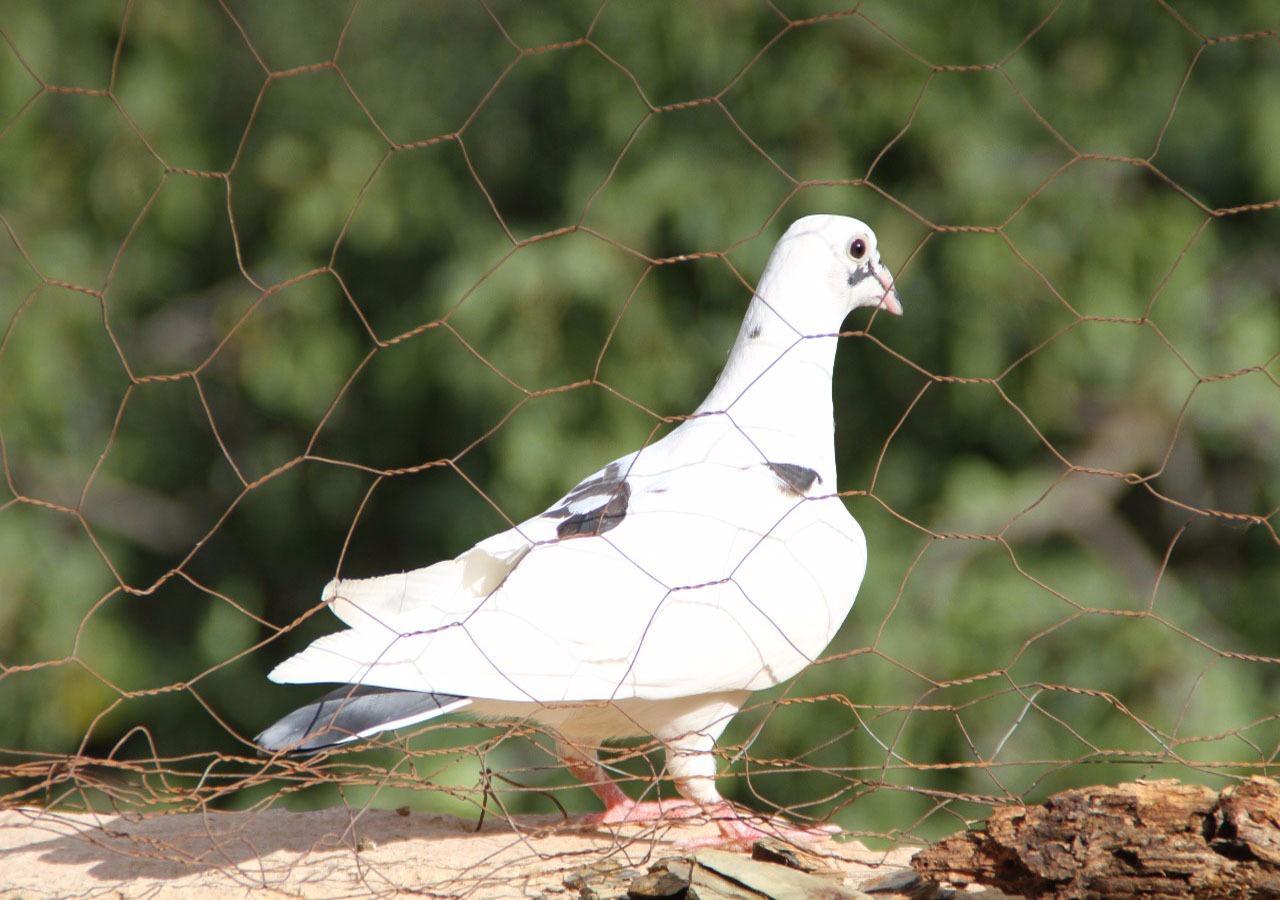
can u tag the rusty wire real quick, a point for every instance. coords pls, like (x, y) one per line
(66, 781)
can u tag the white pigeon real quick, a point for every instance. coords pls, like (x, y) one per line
(657, 594)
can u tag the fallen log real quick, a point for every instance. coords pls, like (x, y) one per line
(1149, 838)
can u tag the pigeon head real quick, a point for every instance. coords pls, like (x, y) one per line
(825, 267)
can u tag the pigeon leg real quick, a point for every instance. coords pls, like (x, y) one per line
(618, 807)
(693, 768)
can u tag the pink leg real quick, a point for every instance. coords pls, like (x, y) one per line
(694, 771)
(618, 807)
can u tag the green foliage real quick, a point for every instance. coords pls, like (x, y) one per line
(233, 293)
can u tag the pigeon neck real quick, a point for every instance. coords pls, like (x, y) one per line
(776, 388)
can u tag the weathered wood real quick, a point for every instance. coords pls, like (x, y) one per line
(772, 850)
(766, 879)
(720, 875)
(1149, 838)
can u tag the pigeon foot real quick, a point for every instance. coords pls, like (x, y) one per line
(740, 833)
(629, 812)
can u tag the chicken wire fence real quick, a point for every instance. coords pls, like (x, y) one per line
(294, 291)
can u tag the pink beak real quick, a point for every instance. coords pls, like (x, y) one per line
(890, 302)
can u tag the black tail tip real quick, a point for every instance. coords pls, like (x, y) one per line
(348, 714)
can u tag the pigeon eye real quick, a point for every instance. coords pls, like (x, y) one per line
(858, 248)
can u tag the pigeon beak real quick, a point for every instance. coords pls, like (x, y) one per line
(890, 302)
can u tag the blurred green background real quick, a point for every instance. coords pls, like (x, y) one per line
(212, 194)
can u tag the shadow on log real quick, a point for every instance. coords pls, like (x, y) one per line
(1150, 838)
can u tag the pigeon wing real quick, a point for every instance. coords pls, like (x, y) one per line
(660, 586)
(437, 594)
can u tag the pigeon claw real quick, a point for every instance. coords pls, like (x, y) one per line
(633, 813)
(740, 833)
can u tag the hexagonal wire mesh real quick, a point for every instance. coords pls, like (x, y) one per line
(294, 291)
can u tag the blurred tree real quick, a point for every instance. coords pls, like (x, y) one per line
(254, 256)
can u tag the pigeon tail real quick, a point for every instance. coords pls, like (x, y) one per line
(351, 713)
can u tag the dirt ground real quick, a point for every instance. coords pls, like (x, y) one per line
(341, 853)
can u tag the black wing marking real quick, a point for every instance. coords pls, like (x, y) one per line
(594, 506)
(797, 479)
(607, 515)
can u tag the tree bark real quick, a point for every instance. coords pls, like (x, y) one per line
(1149, 838)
